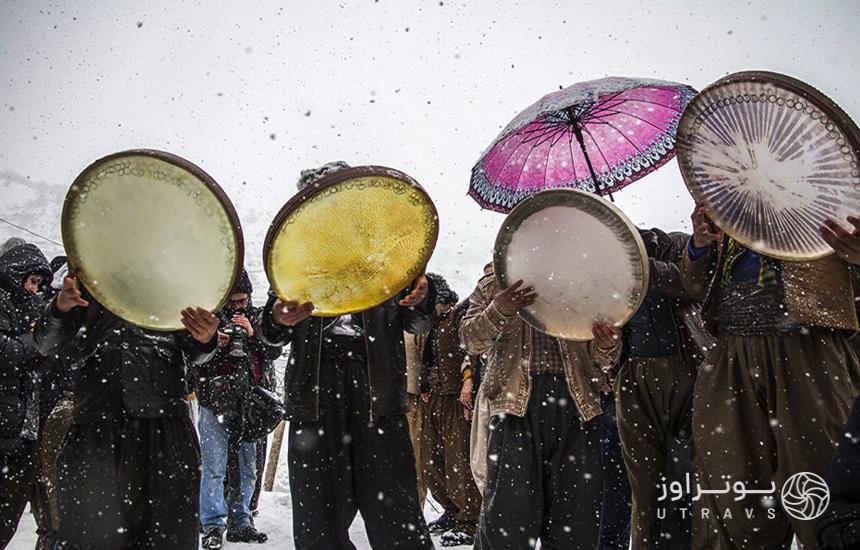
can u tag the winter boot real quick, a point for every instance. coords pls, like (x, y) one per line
(246, 534)
(213, 538)
(443, 523)
(457, 537)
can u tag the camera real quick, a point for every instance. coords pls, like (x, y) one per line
(238, 340)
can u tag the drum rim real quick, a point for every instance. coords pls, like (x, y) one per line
(811, 94)
(500, 248)
(180, 162)
(330, 180)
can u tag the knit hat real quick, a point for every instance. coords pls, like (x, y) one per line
(243, 284)
(312, 175)
(444, 293)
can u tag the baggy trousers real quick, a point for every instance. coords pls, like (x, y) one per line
(17, 474)
(346, 462)
(415, 419)
(615, 514)
(764, 409)
(544, 475)
(44, 505)
(129, 484)
(654, 406)
(445, 460)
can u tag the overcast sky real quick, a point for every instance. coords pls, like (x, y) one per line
(255, 91)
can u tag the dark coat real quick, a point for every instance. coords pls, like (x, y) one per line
(665, 324)
(386, 356)
(839, 527)
(121, 369)
(443, 356)
(18, 354)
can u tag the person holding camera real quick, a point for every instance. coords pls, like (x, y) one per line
(223, 387)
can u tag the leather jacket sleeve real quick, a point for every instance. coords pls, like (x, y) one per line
(420, 319)
(483, 324)
(54, 329)
(197, 353)
(267, 330)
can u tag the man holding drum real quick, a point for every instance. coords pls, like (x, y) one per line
(544, 459)
(345, 394)
(129, 470)
(772, 399)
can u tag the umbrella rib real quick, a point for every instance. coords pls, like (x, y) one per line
(523, 167)
(559, 135)
(648, 122)
(596, 146)
(607, 104)
(572, 160)
(507, 160)
(630, 141)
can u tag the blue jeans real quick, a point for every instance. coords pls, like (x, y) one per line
(215, 510)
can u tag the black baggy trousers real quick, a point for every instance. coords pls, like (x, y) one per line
(347, 462)
(544, 475)
(130, 484)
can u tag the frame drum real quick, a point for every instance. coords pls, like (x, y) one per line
(583, 256)
(770, 158)
(351, 241)
(150, 234)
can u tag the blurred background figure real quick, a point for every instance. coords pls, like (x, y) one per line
(445, 429)
(24, 272)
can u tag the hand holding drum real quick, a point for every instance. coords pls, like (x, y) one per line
(200, 323)
(509, 301)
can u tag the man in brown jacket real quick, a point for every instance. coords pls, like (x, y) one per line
(772, 399)
(544, 458)
(445, 433)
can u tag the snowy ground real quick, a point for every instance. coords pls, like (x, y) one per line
(275, 519)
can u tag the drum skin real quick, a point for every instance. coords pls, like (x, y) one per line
(770, 158)
(351, 241)
(583, 256)
(150, 234)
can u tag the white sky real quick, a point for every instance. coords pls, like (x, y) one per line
(255, 91)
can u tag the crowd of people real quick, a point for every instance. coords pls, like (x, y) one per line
(737, 367)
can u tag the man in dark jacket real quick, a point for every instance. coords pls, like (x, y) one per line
(223, 385)
(662, 351)
(345, 393)
(129, 470)
(445, 431)
(23, 270)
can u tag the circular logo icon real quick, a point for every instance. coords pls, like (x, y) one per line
(805, 496)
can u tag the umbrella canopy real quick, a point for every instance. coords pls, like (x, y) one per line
(599, 136)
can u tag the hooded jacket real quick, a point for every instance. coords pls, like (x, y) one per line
(18, 354)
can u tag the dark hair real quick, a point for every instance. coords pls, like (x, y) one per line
(243, 284)
(444, 293)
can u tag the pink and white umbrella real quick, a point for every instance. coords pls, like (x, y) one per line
(599, 136)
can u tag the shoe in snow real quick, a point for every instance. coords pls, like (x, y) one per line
(246, 534)
(213, 538)
(456, 537)
(443, 523)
